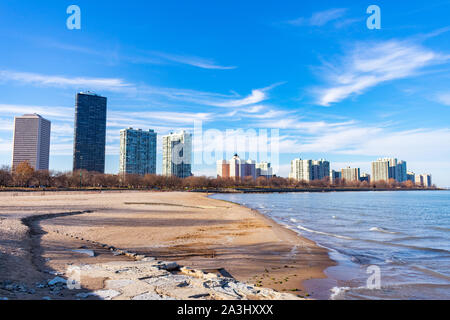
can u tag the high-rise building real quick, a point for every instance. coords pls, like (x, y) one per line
(239, 169)
(264, 169)
(380, 170)
(411, 176)
(301, 170)
(137, 152)
(31, 141)
(177, 154)
(402, 171)
(335, 175)
(351, 174)
(309, 170)
(90, 132)
(389, 168)
(423, 180)
(365, 177)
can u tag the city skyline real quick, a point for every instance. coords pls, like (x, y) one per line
(138, 151)
(298, 69)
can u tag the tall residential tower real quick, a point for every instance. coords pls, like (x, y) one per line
(137, 152)
(177, 154)
(90, 132)
(31, 141)
(308, 170)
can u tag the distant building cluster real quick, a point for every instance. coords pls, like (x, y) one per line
(385, 169)
(236, 168)
(138, 152)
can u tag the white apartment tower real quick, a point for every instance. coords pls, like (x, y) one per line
(31, 141)
(177, 154)
(351, 174)
(309, 170)
(389, 168)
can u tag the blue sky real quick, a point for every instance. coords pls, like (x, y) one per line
(333, 88)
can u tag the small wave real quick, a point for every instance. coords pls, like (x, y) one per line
(382, 230)
(293, 220)
(431, 272)
(337, 291)
(324, 233)
(406, 246)
(441, 229)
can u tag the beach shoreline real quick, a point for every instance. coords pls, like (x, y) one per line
(190, 228)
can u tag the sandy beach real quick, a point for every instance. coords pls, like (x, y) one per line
(39, 231)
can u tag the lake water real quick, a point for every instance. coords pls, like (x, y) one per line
(403, 234)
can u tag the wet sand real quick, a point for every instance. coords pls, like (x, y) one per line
(188, 228)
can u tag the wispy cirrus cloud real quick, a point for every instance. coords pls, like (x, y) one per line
(142, 57)
(110, 84)
(143, 90)
(370, 64)
(56, 112)
(192, 61)
(319, 19)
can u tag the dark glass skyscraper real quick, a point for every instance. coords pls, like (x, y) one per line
(90, 132)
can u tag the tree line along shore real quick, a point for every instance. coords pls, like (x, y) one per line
(25, 177)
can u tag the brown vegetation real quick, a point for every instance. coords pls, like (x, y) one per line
(24, 176)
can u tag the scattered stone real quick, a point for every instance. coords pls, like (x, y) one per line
(151, 296)
(148, 259)
(57, 280)
(106, 294)
(198, 273)
(201, 295)
(169, 266)
(90, 253)
(83, 295)
(117, 284)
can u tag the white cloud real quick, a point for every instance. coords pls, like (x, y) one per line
(255, 97)
(50, 112)
(192, 61)
(110, 84)
(370, 64)
(319, 19)
(158, 116)
(443, 98)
